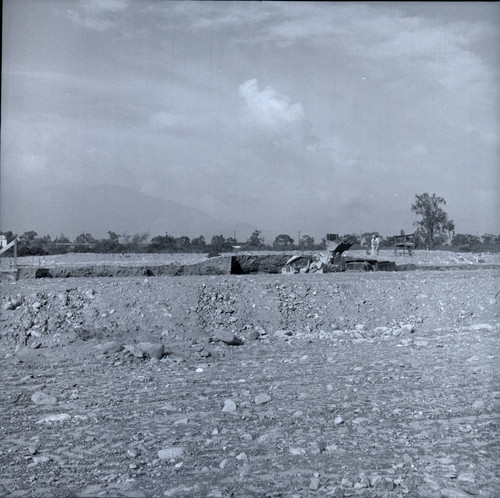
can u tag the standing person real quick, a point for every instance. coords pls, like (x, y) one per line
(373, 244)
(377, 243)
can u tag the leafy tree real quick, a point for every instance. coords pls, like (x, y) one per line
(306, 243)
(489, 238)
(137, 242)
(283, 242)
(220, 244)
(232, 241)
(183, 243)
(27, 238)
(114, 237)
(462, 239)
(61, 239)
(84, 238)
(434, 222)
(255, 241)
(198, 244)
(165, 243)
(84, 242)
(45, 239)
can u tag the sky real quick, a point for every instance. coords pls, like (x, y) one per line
(313, 116)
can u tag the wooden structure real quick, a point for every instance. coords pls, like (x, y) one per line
(404, 243)
(12, 271)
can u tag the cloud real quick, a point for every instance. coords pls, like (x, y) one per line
(269, 109)
(103, 6)
(97, 15)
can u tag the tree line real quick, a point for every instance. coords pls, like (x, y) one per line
(434, 230)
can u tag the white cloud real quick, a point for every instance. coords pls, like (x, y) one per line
(268, 107)
(97, 14)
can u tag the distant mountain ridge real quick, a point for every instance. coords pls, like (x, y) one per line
(75, 209)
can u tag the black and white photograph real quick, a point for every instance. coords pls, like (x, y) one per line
(249, 249)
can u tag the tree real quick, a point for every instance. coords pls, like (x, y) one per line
(27, 238)
(306, 243)
(61, 239)
(255, 241)
(283, 242)
(137, 242)
(488, 238)
(164, 243)
(84, 239)
(463, 239)
(183, 243)
(198, 244)
(84, 242)
(220, 244)
(434, 222)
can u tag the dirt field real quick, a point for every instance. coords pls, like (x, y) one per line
(344, 384)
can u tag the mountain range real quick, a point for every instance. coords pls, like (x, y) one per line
(72, 210)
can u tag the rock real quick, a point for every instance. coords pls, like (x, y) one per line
(262, 398)
(60, 417)
(387, 484)
(253, 335)
(363, 483)
(40, 398)
(467, 477)
(359, 420)
(135, 351)
(153, 350)
(314, 484)
(260, 330)
(110, 347)
(297, 451)
(345, 483)
(482, 326)
(478, 405)
(338, 420)
(242, 456)
(171, 453)
(90, 293)
(454, 493)
(229, 406)
(282, 334)
(227, 337)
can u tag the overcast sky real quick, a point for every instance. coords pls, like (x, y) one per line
(316, 111)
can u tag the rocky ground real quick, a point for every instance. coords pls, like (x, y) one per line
(345, 384)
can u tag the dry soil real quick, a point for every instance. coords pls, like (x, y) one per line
(344, 384)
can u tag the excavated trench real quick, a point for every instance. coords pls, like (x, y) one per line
(240, 264)
(221, 265)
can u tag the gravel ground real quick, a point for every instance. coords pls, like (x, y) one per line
(351, 384)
